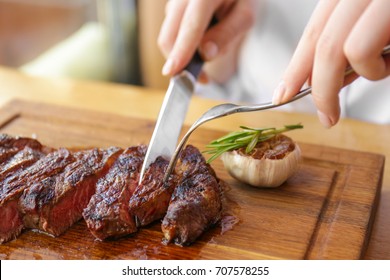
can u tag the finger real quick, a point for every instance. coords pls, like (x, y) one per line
(300, 66)
(329, 60)
(350, 78)
(235, 21)
(174, 11)
(196, 18)
(364, 55)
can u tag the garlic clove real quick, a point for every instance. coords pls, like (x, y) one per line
(270, 164)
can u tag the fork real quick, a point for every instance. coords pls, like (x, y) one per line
(226, 109)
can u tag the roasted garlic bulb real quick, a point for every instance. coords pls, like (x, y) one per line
(269, 164)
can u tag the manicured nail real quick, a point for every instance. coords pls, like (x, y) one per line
(209, 50)
(167, 68)
(279, 93)
(324, 119)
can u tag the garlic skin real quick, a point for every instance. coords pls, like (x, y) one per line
(264, 172)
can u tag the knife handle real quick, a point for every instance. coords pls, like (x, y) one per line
(196, 63)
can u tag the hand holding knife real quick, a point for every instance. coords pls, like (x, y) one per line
(173, 112)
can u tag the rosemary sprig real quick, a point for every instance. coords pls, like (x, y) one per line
(248, 137)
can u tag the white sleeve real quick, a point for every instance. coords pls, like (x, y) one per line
(369, 101)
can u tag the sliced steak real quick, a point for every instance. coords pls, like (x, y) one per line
(49, 190)
(9, 146)
(8, 141)
(196, 203)
(107, 214)
(19, 161)
(12, 187)
(151, 198)
(57, 202)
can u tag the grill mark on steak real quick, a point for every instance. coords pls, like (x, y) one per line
(20, 160)
(107, 214)
(16, 154)
(56, 203)
(9, 146)
(196, 203)
(12, 187)
(8, 141)
(50, 165)
(151, 198)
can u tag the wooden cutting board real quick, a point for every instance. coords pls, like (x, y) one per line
(324, 211)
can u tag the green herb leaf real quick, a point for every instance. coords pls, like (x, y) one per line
(252, 143)
(248, 138)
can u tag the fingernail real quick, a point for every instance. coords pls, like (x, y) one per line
(167, 68)
(279, 93)
(209, 50)
(324, 119)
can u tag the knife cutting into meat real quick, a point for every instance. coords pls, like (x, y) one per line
(173, 112)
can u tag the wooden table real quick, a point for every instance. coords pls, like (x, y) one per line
(145, 103)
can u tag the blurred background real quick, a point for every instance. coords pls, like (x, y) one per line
(109, 40)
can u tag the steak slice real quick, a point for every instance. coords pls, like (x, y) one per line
(55, 203)
(9, 146)
(151, 198)
(107, 214)
(196, 203)
(9, 142)
(21, 160)
(12, 187)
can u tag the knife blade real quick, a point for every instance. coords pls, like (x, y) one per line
(172, 113)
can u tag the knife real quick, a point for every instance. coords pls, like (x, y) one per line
(172, 113)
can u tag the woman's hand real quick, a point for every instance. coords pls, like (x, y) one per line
(340, 32)
(184, 29)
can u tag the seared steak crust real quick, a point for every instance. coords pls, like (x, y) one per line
(12, 187)
(196, 202)
(107, 214)
(47, 166)
(9, 142)
(151, 198)
(9, 146)
(21, 160)
(16, 154)
(56, 203)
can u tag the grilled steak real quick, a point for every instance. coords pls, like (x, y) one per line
(49, 190)
(9, 146)
(196, 202)
(16, 153)
(107, 214)
(12, 187)
(10, 142)
(9, 216)
(151, 198)
(21, 160)
(55, 203)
